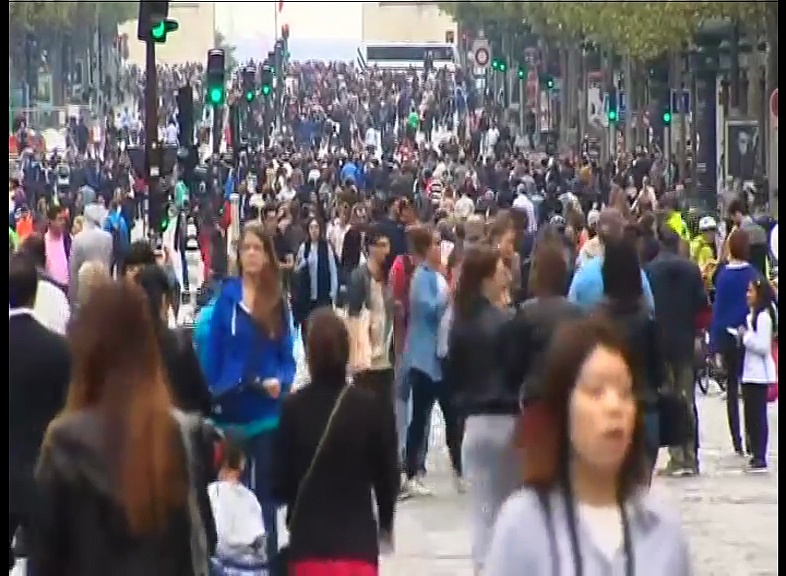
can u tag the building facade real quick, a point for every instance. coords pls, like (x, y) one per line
(406, 22)
(189, 44)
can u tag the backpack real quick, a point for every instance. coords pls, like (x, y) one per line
(409, 270)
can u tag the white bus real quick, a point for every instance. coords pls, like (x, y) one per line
(405, 55)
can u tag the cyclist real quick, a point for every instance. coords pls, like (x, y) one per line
(704, 250)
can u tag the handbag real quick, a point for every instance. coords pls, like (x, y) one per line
(187, 424)
(279, 566)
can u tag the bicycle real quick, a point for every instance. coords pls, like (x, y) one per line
(707, 369)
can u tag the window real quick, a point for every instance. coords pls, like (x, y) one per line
(408, 53)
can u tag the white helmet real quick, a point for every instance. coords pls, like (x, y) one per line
(707, 223)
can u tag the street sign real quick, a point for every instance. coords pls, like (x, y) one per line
(481, 52)
(774, 105)
(680, 102)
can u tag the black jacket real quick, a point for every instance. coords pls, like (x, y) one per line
(473, 369)
(335, 519)
(645, 342)
(679, 295)
(39, 370)
(527, 338)
(187, 383)
(80, 528)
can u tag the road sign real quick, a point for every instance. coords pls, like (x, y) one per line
(680, 102)
(774, 104)
(481, 52)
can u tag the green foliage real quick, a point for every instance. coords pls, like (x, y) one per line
(642, 30)
(220, 41)
(68, 16)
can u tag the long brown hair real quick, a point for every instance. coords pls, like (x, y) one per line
(119, 374)
(480, 263)
(267, 310)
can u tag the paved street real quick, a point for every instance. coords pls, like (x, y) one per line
(731, 518)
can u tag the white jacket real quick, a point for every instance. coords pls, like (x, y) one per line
(758, 365)
(238, 517)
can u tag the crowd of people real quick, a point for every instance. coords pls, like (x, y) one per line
(550, 306)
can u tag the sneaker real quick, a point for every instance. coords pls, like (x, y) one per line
(459, 484)
(404, 492)
(674, 471)
(418, 487)
(756, 466)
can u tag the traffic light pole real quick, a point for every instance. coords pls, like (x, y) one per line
(152, 149)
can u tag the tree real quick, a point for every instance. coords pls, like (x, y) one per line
(641, 30)
(220, 41)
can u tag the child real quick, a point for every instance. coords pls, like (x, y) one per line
(758, 369)
(238, 516)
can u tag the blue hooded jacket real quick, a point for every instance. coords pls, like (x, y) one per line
(237, 350)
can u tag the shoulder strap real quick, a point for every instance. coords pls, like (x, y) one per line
(545, 503)
(314, 459)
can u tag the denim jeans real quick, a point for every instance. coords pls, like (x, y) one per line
(257, 476)
(403, 386)
(425, 392)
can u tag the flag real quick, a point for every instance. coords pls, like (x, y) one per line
(281, 6)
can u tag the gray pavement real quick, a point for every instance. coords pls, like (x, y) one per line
(730, 517)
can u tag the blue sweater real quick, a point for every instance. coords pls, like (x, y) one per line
(427, 304)
(238, 350)
(730, 307)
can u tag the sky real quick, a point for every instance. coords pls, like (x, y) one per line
(318, 30)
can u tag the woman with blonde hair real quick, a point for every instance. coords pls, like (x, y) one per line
(117, 469)
(91, 274)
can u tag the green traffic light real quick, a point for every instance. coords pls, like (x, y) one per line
(216, 95)
(612, 115)
(522, 74)
(667, 117)
(550, 83)
(158, 31)
(250, 96)
(266, 89)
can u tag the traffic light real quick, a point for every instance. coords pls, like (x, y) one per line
(153, 23)
(267, 80)
(271, 61)
(216, 79)
(612, 114)
(522, 72)
(547, 81)
(185, 116)
(666, 114)
(249, 84)
(499, 64)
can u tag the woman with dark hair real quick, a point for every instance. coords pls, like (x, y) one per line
(624, 303)
(189, 389)
(118, 465)
(482, 393)
(335, 444)
(729, 311)
(584, 508)
(249, 362)
(528, 335)
(316, 284)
